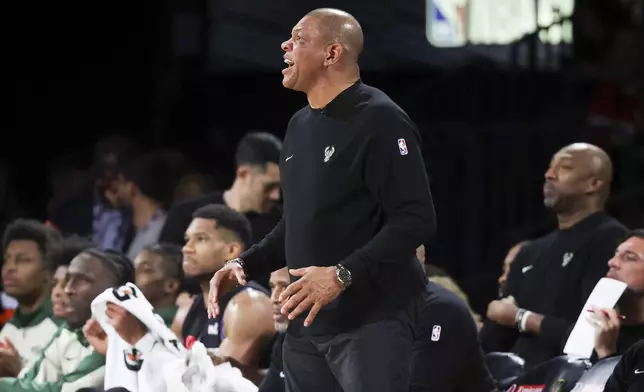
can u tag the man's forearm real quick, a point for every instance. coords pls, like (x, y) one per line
(266, 256)
(533, 323)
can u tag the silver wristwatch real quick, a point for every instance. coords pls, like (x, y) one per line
(344, 276)
(237, 261)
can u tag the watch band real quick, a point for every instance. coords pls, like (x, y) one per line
(236, 260)
(518, 317)
(343, 275)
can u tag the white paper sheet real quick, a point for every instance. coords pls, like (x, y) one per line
(605, 295)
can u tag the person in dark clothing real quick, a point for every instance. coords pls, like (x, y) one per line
(244, 330)
(447, 346)
(356, 206)
(613, 335)
(255, 191)
(92, 214)
(628, 375)
(564, 266)
(274, 380)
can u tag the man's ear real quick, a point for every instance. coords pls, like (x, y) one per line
(333, 54)
(171, 286)
(595, 185)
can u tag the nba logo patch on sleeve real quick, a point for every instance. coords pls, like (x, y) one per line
(402, 146)
(436, 333)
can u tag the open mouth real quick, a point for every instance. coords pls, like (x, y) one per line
(289, 63)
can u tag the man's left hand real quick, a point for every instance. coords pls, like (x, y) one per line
(10, 362)
(127, 326)
(503, 311)
(316, 287)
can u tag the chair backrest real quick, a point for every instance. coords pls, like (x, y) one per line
(565, 378)
(595, 378)
(559, 374)
(504, 367)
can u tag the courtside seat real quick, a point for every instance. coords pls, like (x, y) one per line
(559, 374)
(595, 378)
(504, 367)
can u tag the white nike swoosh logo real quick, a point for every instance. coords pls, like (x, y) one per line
(637, 371)
(526, 268)
(286, 160)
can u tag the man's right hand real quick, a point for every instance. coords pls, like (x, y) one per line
(95, 336)
(229, 276)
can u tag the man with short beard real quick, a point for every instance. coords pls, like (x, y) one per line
(274, 381)
(614, 334)
(564, 266)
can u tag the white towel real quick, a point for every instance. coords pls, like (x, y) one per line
(198, 374)
(138, 368)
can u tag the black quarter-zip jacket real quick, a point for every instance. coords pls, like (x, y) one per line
(355, 193)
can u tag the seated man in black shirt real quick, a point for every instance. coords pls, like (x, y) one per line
(447, 355)
(628, 375)
(255, 191)
(614, 335)
(274, 381)
(552, 276)
(244, 329)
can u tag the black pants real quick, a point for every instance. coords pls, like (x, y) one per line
(376, 357)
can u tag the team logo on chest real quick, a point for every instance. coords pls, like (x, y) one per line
(328, 153)
(567, 258)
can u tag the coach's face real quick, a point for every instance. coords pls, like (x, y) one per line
(567, 179)
(304, 55)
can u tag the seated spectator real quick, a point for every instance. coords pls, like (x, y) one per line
(69, 362)
(447, 347)
(443, 279)
(614, 335)
(628, 375)
(255, 192)
(72, 246)
(91, 214)
(31, 250)
(146, 186)
(244, 329)
(158, 274)
(274, 380)
(552, 276)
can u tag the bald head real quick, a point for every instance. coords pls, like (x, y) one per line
(341, 27)
(578, 178)
(597, 160)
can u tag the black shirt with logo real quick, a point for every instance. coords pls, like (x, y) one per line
(355, 193)
(447, 354)
(553, 276)
(628, 375)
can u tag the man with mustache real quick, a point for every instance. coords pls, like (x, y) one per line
(552, 276)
